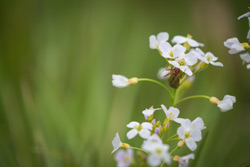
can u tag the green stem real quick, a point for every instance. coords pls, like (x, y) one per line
(192, 97)
(172, 139)
(157, 82)
(162, 164)
(135, 148)
(174, 96)
(176, 148)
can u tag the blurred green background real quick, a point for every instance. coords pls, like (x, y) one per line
(57, 104)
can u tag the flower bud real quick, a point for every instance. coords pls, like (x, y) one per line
(153, 121)
(133, 81)
(158, 123)
(176, 158)
(125, 145)
(187, 46)
(214, 100)
(181, 143)
(157, 131)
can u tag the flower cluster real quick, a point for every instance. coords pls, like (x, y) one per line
(236, 47)
(184, 59)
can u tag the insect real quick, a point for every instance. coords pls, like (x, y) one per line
(175, 76)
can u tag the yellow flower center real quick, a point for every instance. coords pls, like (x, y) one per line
(138, 127)
(188, 134)
(172, 114)
(209, 58)
(158, 151)
(182, 62)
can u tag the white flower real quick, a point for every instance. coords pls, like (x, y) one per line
(181, 39)
(190, 132)
(208, 58)
(158, 151)
(171, 52)
(172, 113)
(234, 45)
(162, 73)
(227, 103)
(154, 41)
(142, 129)
(148, 112)
(120, 81)
(183, 161)
(183, 62)
(248, 66)
(245, 57)
(116, 143)
(124, 158)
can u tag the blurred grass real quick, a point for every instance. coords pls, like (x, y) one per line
(58, 107)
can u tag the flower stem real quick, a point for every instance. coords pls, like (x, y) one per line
(162, 164)
(157, 82)
(135, 148)
(172, 139)
(192, 97)
(176, 148)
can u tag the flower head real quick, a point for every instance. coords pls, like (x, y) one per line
(172, 113)
(207, 58)
(234, 45)
(148, 112)
(155, 41)
(142, 129)
(124, 158)
(120, 81)
(190, 132)
(181, 39)
(158, 151)
(171, 52)
(183, 62)
(227, 103)
(183, 161)
(245, 57)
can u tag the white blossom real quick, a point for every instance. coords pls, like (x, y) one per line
(171, 52)
(158, 151)
(148, 112)
(227, 103)
(234, 45)
(208, 58)
(116, 143)
(183, 161)
(142, 129)
(244, 15)
(190, 132)
(181, 39)
(162, 73)
(172, 113)
(124, 158)
(155, 41)
(183, 62)
(248, 66)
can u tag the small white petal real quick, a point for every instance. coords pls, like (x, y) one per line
(144, 133)
(181, 132)
(146, 125)
(217, 64)
(232, 98)
(162, 73)
(248, 66)
(133, 124)
(193, 43)
(179, 39)
(116, 143)
(196, 134)
(175, 112)
(198, 123)
(244, 15)
(162, 36)
(154, 160)
(153, 43)
(245, 57)
(132, 133)
(191, 59)
(191, 144)
(148, 112)
(120, 81)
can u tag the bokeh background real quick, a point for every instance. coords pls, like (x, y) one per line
(57, 104)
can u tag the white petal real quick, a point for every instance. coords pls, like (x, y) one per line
(191, 59)
(146, 125)
(232, 98)
(229, 42)
(174, 63)
(133, 124)
(116, 142)
(196, 134)
(245, 57)
(165, 109)
(120, 81)
(178, 50)
(132, 133)
(144, 133)
(248, 66)
(154, 160)
(179, 39)
(244, 15)
(186, 69)
(175, 112)
(191, 144)
(148, 112)
(153, 43)
(219, 64)
(198, 124)
(162, 73)
(162, 36)
(193, 43)
(248, 34)
(181, 132)
(179, 120)
(187, 124)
